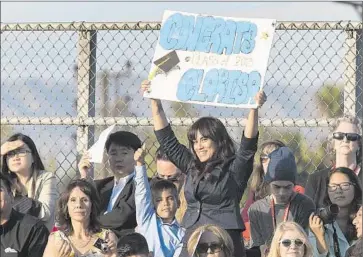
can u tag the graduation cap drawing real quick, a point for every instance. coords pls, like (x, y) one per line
(165, 64)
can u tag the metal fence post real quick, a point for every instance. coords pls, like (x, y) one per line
(350, 73)
(86, 48)
(359, 73)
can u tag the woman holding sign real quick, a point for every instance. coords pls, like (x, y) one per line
(216, 174)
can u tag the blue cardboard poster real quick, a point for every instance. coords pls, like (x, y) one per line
(210, 60)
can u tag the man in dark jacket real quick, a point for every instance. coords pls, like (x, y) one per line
(117, 193)
(20, 234)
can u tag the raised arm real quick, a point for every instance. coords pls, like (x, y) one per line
(157, 110)
(251, 128)
(242, 166)
(176, 152)
(143, 200)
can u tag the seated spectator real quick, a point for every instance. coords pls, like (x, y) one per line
(21, 235)
(356, 250)
(118, 211)
(258, 188)
(282, 204)
(208, 241)
(346, 143)
(155, 211)
(334, 236)
(165, 169)
(35, 190)
(290, 240)
(133, 245)
(79, 233)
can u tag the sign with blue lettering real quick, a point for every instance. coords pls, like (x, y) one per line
(210, 60)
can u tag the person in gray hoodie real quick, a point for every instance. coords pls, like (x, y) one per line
(282, 204)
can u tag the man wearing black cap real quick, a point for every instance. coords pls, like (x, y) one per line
(283, 204)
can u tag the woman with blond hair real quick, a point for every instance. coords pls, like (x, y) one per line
(290, 240)
(210, 240)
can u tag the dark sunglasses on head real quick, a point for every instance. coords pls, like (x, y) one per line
(349, 136)
(288, 242)
(213, 247)
(172, 179)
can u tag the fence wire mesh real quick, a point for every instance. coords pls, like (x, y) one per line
(62, 84)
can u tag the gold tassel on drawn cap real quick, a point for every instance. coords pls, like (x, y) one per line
(165, 63)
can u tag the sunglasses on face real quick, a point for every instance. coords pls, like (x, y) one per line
(203, 248)
(348, 136)
(343, 186)
(288, 242)
(171, 179)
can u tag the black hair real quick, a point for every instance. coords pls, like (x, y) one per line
(258, 185)
(161, 155)
(355, 204)
(161, 185)
(6, 182)
(123, 138)
(213, 129)
(37, 162)
(62, 216)
(132, 244)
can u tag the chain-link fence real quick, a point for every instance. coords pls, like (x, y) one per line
(62, 84)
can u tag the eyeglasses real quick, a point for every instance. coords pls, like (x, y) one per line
(213, 247)
(349, 136)
(287, 242)
(345, 186)
(18, 152)
(171, 179)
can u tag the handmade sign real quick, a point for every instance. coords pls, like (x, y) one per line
(210, 60)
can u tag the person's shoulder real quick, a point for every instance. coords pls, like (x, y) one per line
(26, 221)
(260, 204)
(303, 199)
(320, 173)
(104, 181)
(44, 175)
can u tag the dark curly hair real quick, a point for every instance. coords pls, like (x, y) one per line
(62, 216)
(355, 204)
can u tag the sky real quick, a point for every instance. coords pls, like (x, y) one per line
(152, 11)
(40, 97)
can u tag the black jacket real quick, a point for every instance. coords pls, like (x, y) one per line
(23, 236)
(213, 201)
(316, 186)
(122, 219)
